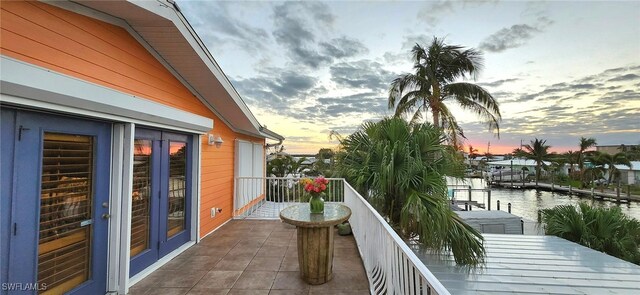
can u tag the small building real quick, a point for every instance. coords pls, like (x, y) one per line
(492, 222)
(614, 149)
(628, 175)
(516, 163)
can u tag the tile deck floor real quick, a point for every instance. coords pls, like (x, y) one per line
(253, 257)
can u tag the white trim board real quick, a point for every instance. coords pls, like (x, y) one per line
(26, 84)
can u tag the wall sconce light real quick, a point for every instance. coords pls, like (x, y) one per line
(215, 140)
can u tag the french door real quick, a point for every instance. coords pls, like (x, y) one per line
(161, 202)
(57, 210)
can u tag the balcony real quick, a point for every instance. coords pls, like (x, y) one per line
(257, 254)
(253, 257)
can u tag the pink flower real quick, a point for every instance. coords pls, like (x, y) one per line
(317, 189)
(326, 181)
(323, 187)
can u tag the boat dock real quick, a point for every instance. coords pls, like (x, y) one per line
(617, 196)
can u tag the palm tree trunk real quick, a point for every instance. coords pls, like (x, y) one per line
(436, 117)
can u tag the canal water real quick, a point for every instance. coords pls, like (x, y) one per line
(525, 203)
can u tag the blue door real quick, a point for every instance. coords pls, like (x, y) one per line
(56, 215)
(161, 202)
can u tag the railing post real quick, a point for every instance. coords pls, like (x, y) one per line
(498, 205)
(235, 196)
(469, 193)
(522, 226)
(509, 207)
(489, 200)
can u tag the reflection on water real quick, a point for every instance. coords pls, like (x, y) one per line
(525, 203)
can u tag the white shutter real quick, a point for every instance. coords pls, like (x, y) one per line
(245, 159)
(258, 160)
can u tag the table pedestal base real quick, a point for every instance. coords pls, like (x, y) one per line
(315, 254)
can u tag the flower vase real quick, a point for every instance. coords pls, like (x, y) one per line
(316, 204)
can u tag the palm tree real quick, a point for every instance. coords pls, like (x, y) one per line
(473, 154)
(609, 162)
(436, 69)
(400, 168)
(538, 151)
(603, 229)
(585, 143)
(572, 158)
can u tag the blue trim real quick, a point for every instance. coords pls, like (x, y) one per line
(151, 255)
(160, 244)
(23, 247)
(7, 142)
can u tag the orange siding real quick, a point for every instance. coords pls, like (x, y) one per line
(101, 53)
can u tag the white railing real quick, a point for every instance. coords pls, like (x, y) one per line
(264, 197)
(391, 266)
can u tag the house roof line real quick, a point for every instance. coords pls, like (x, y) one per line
(166, 31)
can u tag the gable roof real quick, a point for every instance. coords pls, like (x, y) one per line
(171, 39)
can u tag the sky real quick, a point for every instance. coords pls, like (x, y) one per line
(560, 70)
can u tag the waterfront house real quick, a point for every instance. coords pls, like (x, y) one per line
(121, 142)
(628, 175)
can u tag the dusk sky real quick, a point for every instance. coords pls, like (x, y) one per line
(560, 70)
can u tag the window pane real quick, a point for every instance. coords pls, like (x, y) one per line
(177, 187)
(64, 246)
(141, 196)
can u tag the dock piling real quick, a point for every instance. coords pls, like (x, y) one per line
(498, 204)
(489, 200)
(509, 207)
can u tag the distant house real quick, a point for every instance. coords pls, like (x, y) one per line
(628, 175)
(516, 163)
(614, 149)
(121, 139)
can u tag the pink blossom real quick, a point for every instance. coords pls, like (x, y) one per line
(317, 189)
(323, 187)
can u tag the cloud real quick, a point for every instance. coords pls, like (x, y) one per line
(433, 11)
(498, 82)
(506, 38)
(358, 104)
(343, 47)
(396, 58)
(298, 27)
(410, 40)
(605, 106)
(365, 74)
(277, 90)
(216, 24)
(626, 77)
(516, 35)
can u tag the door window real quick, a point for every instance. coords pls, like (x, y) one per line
(141, 196)
(160, 197)
(64, 246)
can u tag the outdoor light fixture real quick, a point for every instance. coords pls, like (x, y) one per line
(215, 140)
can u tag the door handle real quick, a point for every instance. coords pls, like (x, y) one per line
(106, 216)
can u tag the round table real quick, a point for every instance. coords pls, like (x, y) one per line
(315, 238)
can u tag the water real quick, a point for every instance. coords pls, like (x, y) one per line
(525, 203)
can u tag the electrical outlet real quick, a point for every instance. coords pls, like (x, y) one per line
(213, 212)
